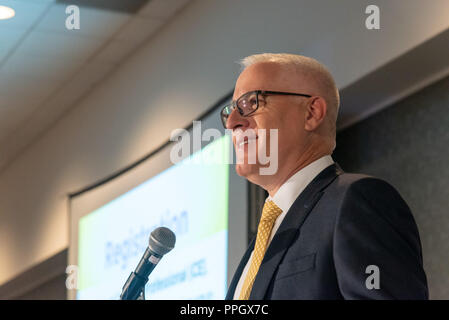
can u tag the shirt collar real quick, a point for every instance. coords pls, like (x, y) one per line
(296, 184)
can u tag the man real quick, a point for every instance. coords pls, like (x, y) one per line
(323, 234)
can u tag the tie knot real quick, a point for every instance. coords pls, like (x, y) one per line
(270, 211)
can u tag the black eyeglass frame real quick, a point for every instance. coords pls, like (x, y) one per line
(234, 104)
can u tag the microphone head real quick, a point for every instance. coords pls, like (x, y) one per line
(162, 240)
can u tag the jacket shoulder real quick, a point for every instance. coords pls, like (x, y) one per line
(362, 182)
(347, 179)
(355, 187)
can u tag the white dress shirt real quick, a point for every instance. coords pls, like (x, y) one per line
(284, 199)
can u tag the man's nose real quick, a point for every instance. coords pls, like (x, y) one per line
(236, 120)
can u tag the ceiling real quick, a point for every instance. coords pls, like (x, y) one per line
(45, 68)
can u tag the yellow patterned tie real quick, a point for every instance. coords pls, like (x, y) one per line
(270, 213)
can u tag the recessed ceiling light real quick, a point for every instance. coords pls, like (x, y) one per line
(6, 13)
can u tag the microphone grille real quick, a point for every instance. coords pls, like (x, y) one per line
(162, 240)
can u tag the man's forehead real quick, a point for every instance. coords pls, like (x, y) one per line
(263, 76)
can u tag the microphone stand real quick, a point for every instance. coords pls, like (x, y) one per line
(142, 294)
(134, 288)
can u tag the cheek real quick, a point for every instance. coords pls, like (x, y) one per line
(289, 128)
(294, 124)
(268, 121)
(290, 135)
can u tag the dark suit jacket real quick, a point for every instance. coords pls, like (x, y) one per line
(337, 227)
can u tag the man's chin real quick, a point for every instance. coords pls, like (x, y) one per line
(246, 170)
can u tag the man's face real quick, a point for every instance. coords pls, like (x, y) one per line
(284, 113)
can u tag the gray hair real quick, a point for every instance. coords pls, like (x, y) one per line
(324, 82)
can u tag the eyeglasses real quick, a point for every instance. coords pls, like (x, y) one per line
(249, 102)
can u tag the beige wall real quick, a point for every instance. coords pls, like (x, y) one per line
(169, 82)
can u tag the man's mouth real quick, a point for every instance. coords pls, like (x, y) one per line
(241, 141)
(242, 138)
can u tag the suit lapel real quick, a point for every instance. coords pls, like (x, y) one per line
(288, 229)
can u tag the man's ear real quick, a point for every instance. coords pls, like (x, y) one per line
(315, 113)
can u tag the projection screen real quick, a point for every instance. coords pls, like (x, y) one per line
(200, 198)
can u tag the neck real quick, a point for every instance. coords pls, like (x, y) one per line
(284, 174)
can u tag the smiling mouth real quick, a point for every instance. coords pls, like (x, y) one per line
(245, 141)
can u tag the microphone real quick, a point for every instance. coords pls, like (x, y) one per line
(162, 240)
